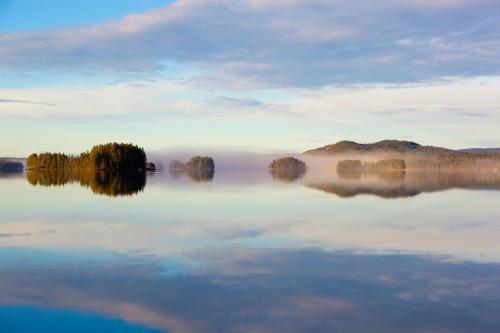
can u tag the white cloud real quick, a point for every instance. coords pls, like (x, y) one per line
(452, 100)
(448, 3)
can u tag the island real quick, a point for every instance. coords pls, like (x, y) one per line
(150, 166)
(8, 166)
(201, 163)
(350, 166)
(198, 168)
(287, 168)
(176, 165)
(106, 157)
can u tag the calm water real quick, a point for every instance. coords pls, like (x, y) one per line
(249, 253)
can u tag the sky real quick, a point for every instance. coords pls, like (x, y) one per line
(255, 75)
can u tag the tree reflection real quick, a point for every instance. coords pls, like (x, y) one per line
(103, 183)
(200, 175)
(349, 174)
(287, 175)
(195, 175)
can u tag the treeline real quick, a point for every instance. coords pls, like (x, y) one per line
(51, 161)
(394, 164)
(458, 162)
(350, 166)
(106, 157)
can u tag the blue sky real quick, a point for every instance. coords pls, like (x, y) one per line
(28, 15)
(258, 75)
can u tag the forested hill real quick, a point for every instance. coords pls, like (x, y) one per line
(385, 146)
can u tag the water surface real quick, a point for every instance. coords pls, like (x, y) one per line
(246, 252)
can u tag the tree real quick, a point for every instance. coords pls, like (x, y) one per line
(347, 166)
(107, 157)
(287, 168)
(176, 165)
(201, 163)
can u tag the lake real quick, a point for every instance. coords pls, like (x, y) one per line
(246, 252)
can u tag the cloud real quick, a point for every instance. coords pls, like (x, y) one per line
(475, 112)
(25, 234)
(447, 3)
(442, 110)
(275, 43)
(147, 100)
(237, 234)
(238, 102)
(15, 235)
(231, 104)
(262, 290)
(24, 102)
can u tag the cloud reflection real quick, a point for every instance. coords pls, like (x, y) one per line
(280, 290)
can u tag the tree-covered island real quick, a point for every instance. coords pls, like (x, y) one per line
(176, 165)
(197, 163)
(10, 166)
(201, 163)
(122, 157)
(287, 168)
(198, 168)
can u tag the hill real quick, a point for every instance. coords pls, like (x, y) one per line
(385, 146)
(416, 157)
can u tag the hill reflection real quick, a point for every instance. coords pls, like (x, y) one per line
(104, 183)
(402, 184)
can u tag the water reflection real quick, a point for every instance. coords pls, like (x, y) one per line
(27, 319)
(287, 175)
(197, 176)
(265, 290)
(386, 184)
(401, 184)
(11, 174)
(175, 174)
(235, 255)
(200, 175)
(104, 183)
